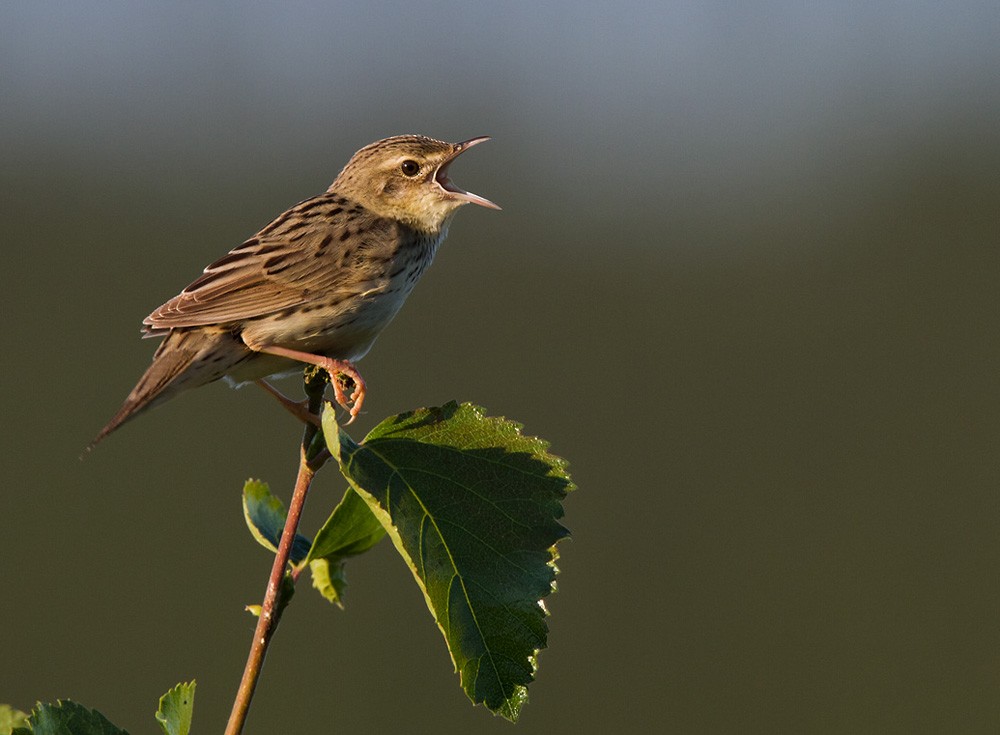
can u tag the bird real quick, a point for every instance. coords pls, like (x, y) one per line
(315, 286)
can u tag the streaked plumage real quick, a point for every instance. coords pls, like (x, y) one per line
(320, 281)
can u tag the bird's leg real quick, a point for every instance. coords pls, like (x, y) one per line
(298, 409)
(335, 368)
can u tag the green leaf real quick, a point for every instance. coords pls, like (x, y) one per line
(472, 506)
(176, 708)
(69, 718)
(350, 530)
(11, 718)
(265, 517)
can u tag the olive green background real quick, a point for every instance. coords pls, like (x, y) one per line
(745, 281)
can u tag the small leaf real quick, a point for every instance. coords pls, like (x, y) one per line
(66, 717)
(284, 597)
(472, 506)
(11, 718)
(350, 530)
(176, 708)
(265, 517)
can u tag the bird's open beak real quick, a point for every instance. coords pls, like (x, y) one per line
(445, 183)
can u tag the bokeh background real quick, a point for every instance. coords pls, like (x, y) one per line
(745, 280)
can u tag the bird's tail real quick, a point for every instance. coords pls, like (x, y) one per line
(185, 359)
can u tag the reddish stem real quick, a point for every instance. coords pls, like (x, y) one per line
(270, 610)
(267, 621)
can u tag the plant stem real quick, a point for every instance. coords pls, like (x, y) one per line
(271, 608)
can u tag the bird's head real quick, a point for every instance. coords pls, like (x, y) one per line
(406, 178)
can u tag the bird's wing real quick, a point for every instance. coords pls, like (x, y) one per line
(304, 254)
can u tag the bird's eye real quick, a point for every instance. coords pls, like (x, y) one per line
(410, 168)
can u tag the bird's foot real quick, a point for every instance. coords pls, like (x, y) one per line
(337, 369)
(298, 409)
(343, 373)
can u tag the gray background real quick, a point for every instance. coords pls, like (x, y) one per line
(745, 280)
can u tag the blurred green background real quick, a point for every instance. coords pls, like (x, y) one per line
(745, 280)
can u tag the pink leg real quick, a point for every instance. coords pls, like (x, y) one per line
(335, 368)
(298, 409)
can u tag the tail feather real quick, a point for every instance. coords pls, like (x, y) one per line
(185, 359)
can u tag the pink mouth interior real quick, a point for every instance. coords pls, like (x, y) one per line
(442, 178)
(445, 183)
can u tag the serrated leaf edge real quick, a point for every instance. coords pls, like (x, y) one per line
(539, 450)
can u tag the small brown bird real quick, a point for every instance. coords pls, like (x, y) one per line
(316, 285)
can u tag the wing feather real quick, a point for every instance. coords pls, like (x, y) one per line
(300, 254)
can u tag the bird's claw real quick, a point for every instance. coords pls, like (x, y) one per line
(353, 404)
